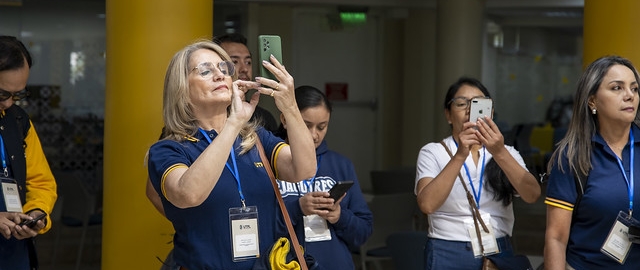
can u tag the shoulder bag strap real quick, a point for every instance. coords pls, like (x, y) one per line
(475, 212)
(287, 220)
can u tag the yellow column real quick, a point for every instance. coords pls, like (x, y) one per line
(142, 36)
(610, 27)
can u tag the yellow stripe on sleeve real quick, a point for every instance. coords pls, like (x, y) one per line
(558, 203)
(164, 176)
(274, 157)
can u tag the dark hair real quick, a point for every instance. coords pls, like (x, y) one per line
(233, 37)
(306, 97)
(13, 53)
(453, 89)
(309, 96)
(496, 178)
(576, 146)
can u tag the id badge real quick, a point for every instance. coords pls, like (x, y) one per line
(489, 242)
(617, 244)
(316, 229)
(244, 232)
(11, 195)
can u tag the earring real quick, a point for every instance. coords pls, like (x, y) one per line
(593, 111)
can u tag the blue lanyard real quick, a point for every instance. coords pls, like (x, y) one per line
(476, 195)
(233, 171)
(629, 183)
(313, 179)
(4, 159)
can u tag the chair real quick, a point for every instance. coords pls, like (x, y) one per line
(391, 213)
(75, 208)
(407, 249)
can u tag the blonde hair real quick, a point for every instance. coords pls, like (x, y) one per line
(177, 112)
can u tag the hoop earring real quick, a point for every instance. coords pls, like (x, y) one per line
(593, 111)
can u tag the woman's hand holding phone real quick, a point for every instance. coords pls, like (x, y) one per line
(490, 136)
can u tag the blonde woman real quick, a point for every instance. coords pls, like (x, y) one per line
(207, 169)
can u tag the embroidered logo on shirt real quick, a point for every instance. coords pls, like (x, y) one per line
(258, 164)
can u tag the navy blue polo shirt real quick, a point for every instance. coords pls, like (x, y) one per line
(202, 239)
(605, 195)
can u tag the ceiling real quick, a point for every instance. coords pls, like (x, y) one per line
(60, 14)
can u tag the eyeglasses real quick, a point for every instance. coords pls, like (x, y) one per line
(4, 95)
(206, 69)
(462, 103)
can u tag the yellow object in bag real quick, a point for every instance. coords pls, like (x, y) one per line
(282, 257)
(278, 256)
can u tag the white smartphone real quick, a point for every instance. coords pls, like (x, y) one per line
(480, 107)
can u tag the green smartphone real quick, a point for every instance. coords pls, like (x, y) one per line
(269, 45)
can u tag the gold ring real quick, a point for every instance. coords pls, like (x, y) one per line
(272, 91)
(277, 86)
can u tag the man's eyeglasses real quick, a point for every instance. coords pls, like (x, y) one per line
(462, 103)
(4, 95)
(206, 69)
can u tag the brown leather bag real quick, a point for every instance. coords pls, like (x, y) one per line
(488, 264)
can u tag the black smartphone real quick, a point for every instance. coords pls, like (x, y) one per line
(32, 222)
(339, 189)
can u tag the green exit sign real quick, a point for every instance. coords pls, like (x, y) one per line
(353, 17)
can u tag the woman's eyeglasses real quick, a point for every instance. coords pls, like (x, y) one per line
(462, 103)
(206, 69)
(4, 95)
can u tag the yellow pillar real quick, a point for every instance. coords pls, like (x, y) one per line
(610, 27)
(142, 36)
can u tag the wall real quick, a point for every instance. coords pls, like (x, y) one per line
(524, 80)
(536, 67)
(419, 101)
(391, 86)
(67, 80)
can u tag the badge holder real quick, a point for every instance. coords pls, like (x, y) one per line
(489, 243)
(316, 229)
(243, 222)
(618, 244)
(11, 195)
